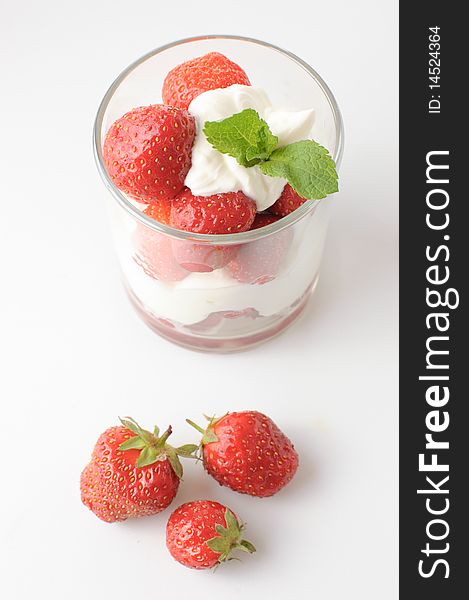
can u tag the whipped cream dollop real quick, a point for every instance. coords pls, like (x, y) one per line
(213, 172)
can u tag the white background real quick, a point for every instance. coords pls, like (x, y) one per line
(75, 356)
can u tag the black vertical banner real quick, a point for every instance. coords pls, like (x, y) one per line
(434, 268)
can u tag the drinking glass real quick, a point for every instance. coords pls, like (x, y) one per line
(220, 293)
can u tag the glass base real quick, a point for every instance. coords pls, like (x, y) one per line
(224, 332)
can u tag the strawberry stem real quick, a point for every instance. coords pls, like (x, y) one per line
(164, 437)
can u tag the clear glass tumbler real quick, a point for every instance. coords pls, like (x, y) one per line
(220, 292)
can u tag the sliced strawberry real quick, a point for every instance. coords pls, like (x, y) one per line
(209, 72)
(258, 262)
(147, 152)
(231, 212)
(288, 202)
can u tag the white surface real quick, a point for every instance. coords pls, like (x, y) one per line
(212, 172)
(74, 355)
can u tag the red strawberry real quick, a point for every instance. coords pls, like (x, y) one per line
(263, 219)
(132, 473)
(147, 152)
(203, 534)
(209, 72)
(288, 202)
(231, 212)
(258, 262)
(154, 254)
(160, 210)
(202, 258)
(155, 250)
(247, 452)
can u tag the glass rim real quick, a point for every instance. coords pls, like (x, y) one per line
(236, 238)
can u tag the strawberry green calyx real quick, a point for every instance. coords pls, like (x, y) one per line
(154, 447)
(208, 434)
(229, 538)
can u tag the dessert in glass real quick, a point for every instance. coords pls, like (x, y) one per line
(218, 229)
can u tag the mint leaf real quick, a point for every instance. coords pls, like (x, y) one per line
(244, 136)
(306, 166)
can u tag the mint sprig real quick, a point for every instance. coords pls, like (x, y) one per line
(306, 165)
(244, 136)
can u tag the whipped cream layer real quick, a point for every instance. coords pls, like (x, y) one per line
(213, 172)
(194, 298)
